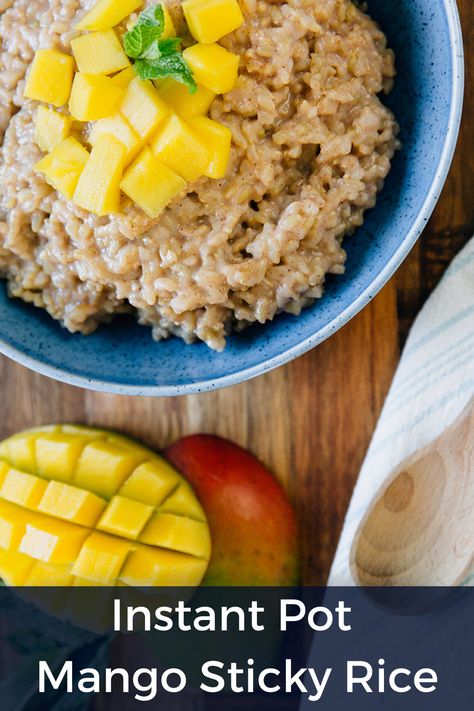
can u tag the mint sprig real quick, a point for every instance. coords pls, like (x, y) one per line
(157, 58)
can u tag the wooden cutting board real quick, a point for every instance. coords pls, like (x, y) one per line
(310, 421)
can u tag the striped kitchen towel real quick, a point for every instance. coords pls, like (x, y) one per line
(433, 384)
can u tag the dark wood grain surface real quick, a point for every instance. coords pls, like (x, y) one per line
(312, 420)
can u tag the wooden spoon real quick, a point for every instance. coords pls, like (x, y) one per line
(419, 530)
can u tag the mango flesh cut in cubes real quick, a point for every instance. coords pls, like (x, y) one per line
(179, 534)
(94, 97)
(217, 139)
(72, 504)
(143, 108)
(62, 167)
(108, 13)
(169, 28)
(181, 150)
(51, 540)
(123, 78)
(209, 20)
(213, 66)
(50, 77)
(98, 189)
(151, 483)
(96, 508)
(51, 128)
(57, 454)
(125, 518)
(101, 558)
(186, 105)
(103, 467)
(23, 489)
(99, 53)
(15, 567)
(151, 184)
(151, 566)
(117, 126)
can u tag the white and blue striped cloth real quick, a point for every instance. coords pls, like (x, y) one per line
(433, 384)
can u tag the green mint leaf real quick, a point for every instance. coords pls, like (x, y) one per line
(169, 46)
(173, 65)
(148, 28)
(152, 53)
(153, 16)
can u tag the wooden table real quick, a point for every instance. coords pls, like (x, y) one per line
(312, 420)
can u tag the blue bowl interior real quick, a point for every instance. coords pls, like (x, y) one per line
(123, 356)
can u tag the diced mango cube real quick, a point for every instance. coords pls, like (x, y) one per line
(183, 502)
(47, 575)
(151, 184)
(94, 97)
(186, 105)
(72, 504)
(117, 126)
(150, 483)
(91, 433)
(23, 489)
(123, 78)
(19, 450)
(52, 541)
(124, 517)
(57, 454)
(13, 520)
(169, 28)
(15, 567)
(108, 13)
(103, 467)
(217, 139)
(50, 77)
(213, 66)
(99, 53)
(101, 558)
(179, 534)
(181, 150)
(98, 189)
(148, 566)
(50, 128)
(209, 20)
(62, 167)
(143, 108)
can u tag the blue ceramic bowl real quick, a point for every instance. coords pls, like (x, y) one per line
(427, 101)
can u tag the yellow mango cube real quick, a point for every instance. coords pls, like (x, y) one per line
(4, 467)
(169, 28)
(94, 97)
(209, 20)
(143, 108)
(57, 454)
(123, 78)
(103, 467)
(62, 167)
(108, 13)
(23, 489)
(181, 150)
(217, 139)
(52, 541)
(125, 518)
(117, 126)
(150, 483)
(47, 575)
(151, 184)
(99, 53)
(90, 432)
(50, 128)
(98, 189)
(101, 558)
(50, 77)
(183, 103)
(179, 534)
(213, 66)
(183, 502)
(71, 504)
(13, 520)
(19, 450)
(148, 566)
(15, 567)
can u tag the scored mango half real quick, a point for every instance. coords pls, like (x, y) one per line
(81, 506)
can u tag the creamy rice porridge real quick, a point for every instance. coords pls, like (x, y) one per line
(312, 144)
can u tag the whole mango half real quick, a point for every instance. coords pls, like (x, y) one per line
(253, 525)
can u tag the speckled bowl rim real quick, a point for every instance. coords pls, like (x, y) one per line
(457, 56)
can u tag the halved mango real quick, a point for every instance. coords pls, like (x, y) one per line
(51, 128)
(72, 504)
(213, 66)
(99, 53)
(177, 533)
(50, 77)
(178, 147)
(56, 454)
(51, 540)
(15, 567)
(22, 489)
(125, 518)
(98, 189)
(63, 167)
(183, 502)
(151, 566)
(151, 483)
(101, 558)
(103, 467)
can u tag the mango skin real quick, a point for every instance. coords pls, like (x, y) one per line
(253, 525)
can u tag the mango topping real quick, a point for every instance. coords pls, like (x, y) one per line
(210, 20)
(143, 108)
(186, 105)
(181, 150)
(93, 97)
(64, 165)
(218, 139)
(118, 127)
(103, 521)
(98, 189)
(213, 66)
(51, 128)
(108, 13)
(99, 53)
(50, 77)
